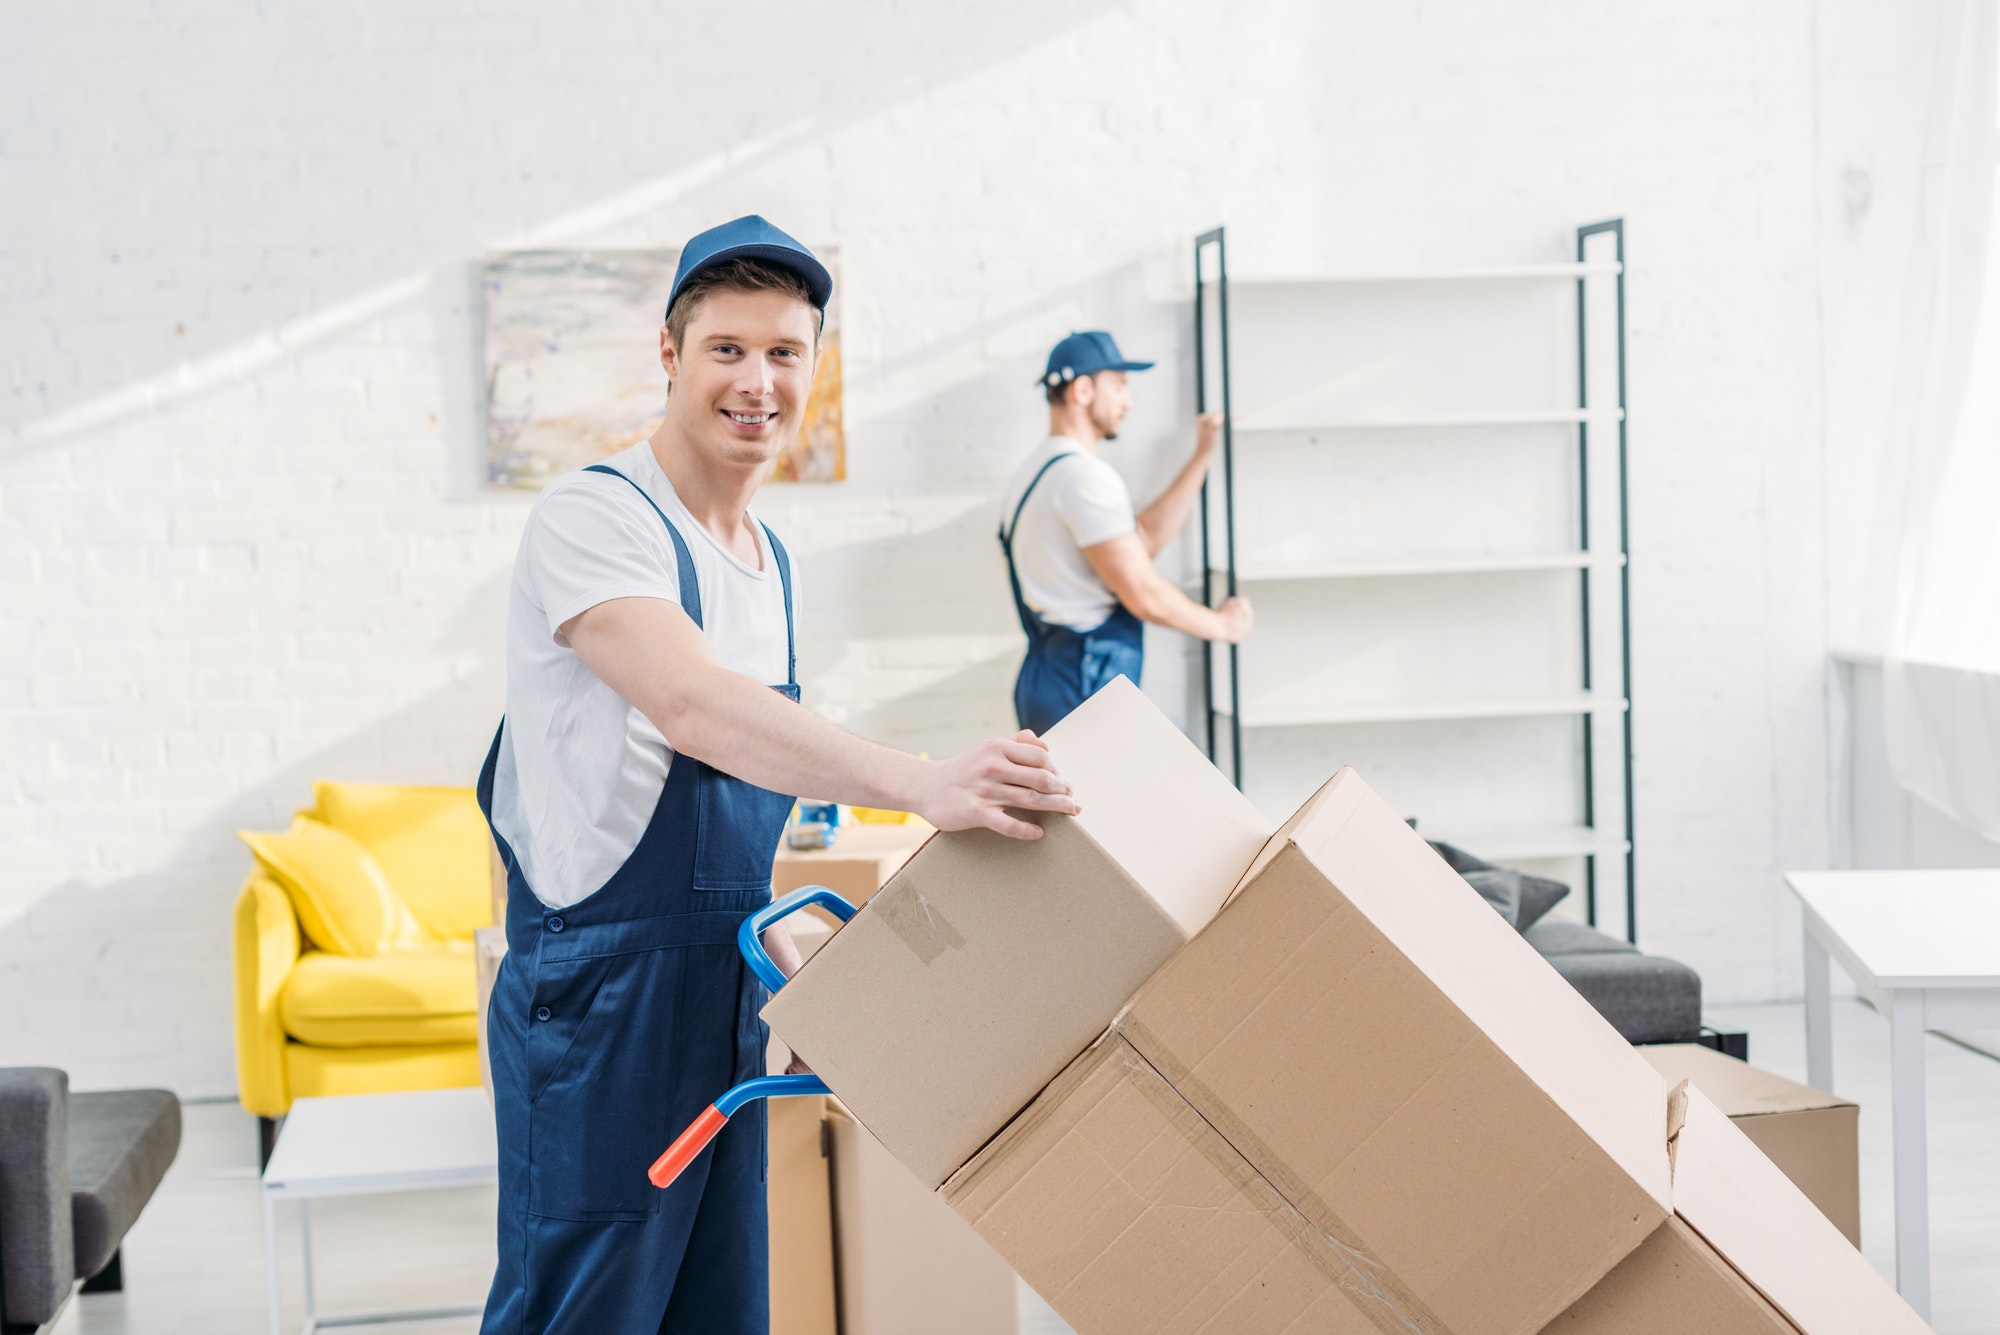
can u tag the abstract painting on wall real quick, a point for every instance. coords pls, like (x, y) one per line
(573, 369)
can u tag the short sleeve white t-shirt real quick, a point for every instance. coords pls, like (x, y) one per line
(580, 770)
(1080, 502)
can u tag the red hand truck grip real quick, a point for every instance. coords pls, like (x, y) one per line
(691, 1142)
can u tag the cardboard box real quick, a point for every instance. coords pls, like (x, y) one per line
(1811, 1135)
(861, 861)
(908, 1265)
(971, 979)
(800, 1191)
(1746, 1226)
(1131, 1216)
(1479, 1143)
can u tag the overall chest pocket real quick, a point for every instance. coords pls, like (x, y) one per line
(737, 828)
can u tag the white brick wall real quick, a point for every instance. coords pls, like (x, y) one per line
(239, 533)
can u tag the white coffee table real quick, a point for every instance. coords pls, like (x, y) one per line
(369, 1144)
(1924, 948)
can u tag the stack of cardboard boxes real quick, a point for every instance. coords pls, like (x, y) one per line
(1187, 1075)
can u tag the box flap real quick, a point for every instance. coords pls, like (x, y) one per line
(1138, 779)
(1749, 1211)
(1673, 1284)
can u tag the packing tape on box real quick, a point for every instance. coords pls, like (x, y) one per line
(916, 921)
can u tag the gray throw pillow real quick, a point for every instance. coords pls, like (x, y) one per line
(1500, 888)
(1538, 896)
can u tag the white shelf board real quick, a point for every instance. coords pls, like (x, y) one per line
(1444, 565)
(1526, 843)
(1417, 711)
(1486, 273)
(1501, 417)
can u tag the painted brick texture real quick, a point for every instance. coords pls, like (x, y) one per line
(241, 535)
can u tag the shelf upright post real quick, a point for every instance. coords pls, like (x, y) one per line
(1215, 238)
(1583, 544)
(1207, 562)
(1615, 227)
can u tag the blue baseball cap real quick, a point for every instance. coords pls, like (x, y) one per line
(750, 237)
(1086, 354)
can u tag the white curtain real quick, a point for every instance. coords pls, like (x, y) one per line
(1941, 679)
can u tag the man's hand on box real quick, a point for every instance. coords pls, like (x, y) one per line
(974, 791)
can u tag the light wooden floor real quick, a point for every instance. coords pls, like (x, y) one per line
(195, 1262)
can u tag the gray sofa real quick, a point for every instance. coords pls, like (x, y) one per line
(1647, 998)
(75, 1171)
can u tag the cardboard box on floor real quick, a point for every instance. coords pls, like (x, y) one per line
(1745, 1254)
(1476, 1143)
(908, 1265)
(1811, 1135)
(800, 1190)
(986, 964)
(861, 861)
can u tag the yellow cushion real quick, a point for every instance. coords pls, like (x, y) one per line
(343, 901)
(406, 997)
(313, 1073)
(430, 842)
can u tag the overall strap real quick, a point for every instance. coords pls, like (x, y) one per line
(785, 578)
(1030, 623)
(683, 559)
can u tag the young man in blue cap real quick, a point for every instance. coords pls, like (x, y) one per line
(1078, 558)
(637, 790)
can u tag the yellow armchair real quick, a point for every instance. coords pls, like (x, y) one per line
(352, 945)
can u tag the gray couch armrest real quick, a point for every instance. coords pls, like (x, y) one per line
(37, 1250)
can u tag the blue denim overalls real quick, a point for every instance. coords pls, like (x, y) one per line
(614, 1022)
(1065, 667)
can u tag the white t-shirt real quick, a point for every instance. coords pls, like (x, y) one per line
(1079, 503)
(580, 770)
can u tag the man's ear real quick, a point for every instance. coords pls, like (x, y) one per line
(1083, 391)
(669, 357)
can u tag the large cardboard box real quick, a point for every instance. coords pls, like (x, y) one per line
(799, 1188)
(908, 1265)
(1130, 1215)
(1746, 1254)
(1813, 1136)
(975, 975)
(1477, 1143)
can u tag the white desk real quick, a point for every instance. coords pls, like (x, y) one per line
(1924, 948)
(368, 1144)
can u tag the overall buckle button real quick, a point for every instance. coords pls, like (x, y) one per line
(555, 924)
(543, 1012)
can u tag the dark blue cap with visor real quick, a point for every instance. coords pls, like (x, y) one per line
(1086, 354)
(751, 238)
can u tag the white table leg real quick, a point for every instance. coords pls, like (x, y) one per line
(271, 1259)
(1819, 1016)
(1913, 1207)
(306, 1241)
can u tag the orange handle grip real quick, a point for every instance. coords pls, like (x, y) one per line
(691, 1142)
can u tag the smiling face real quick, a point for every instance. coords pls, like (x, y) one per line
(740, 372)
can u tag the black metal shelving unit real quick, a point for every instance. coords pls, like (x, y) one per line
(1212, 363)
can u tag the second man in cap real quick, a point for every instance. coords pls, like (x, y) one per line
(1079, 559)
